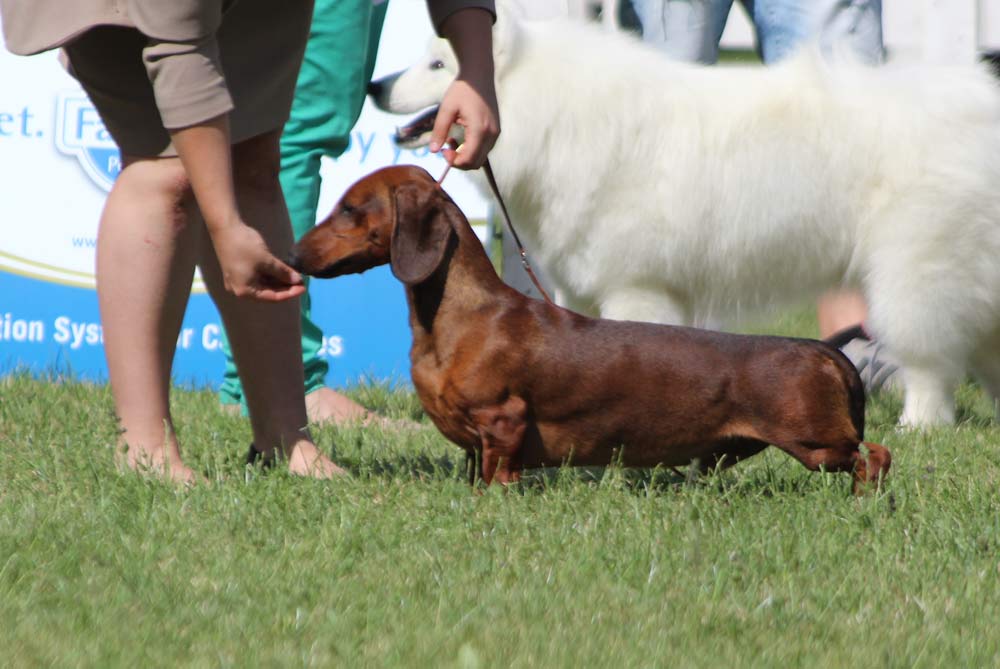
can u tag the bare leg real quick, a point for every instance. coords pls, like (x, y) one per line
(839, 310)
(145, 262)
(265, 337)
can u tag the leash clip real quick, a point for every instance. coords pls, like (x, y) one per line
(488, 169)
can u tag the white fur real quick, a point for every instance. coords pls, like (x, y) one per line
(659, 191)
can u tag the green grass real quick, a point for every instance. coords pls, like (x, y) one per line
(401, 565)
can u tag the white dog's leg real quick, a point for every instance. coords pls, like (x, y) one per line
(930, 395)
(633, 303)
(575, 303)
(986, 366)
(923, 320)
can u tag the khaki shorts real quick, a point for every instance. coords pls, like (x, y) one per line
(260, 42)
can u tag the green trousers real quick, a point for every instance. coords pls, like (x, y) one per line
(329, 93)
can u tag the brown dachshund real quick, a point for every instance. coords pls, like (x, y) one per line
(521, 383)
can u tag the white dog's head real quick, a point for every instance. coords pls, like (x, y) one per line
(424, 83)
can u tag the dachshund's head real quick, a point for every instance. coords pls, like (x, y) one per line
(396, 215)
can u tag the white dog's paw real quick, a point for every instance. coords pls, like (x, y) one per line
(927, 416)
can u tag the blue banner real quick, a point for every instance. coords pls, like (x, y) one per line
(47, 327)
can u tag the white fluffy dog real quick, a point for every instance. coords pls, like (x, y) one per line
(673, 193)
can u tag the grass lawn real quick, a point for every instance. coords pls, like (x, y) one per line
(401, 565)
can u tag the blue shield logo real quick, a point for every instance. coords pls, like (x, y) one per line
(81, 133)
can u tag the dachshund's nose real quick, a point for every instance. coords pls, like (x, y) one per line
(375, 88)
(294, 259)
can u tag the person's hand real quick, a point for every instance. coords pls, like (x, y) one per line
(471, 100)
(472, 105)
(249, 269)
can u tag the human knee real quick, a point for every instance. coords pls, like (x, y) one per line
(160, 180)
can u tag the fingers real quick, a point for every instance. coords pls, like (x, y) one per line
(277, 295)
(450, 150)
(280, 273)
(447, 115)
(272, 281)
(276, 281)
(465, 105)
(265, 292)
(472, 154)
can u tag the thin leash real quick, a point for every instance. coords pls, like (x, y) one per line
(510, 226)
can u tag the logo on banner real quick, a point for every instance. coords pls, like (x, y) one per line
(81, 133)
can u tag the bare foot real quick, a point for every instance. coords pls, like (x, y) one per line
(323, 405)
(326, 405)
(307, 460)
(231, 409)
(163, 463)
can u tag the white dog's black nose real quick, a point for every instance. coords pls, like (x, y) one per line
(375, 88)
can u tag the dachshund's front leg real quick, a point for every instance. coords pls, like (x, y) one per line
(501, 432)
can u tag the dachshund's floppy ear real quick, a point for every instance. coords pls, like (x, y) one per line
(422, 231)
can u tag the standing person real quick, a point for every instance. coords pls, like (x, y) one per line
(195, 93)
(690, 30)
(330, 91)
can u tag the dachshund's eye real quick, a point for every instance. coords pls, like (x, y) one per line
(346, 209)
(437, 64)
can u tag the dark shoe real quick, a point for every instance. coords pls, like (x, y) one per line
(255, 457)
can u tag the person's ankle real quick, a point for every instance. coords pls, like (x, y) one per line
(161, 461)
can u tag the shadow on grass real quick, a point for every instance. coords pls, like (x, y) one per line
(764, 478)
(420, 467)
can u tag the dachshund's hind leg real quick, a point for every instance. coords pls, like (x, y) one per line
(501, 431)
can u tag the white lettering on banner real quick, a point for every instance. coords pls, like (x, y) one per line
(210, 337)
(184, 338)
(9, 125)
(365, 146)
(18, 329)
(81, 133)
(77, 334)
(363, 143)
(86, 127)
(332, 346)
